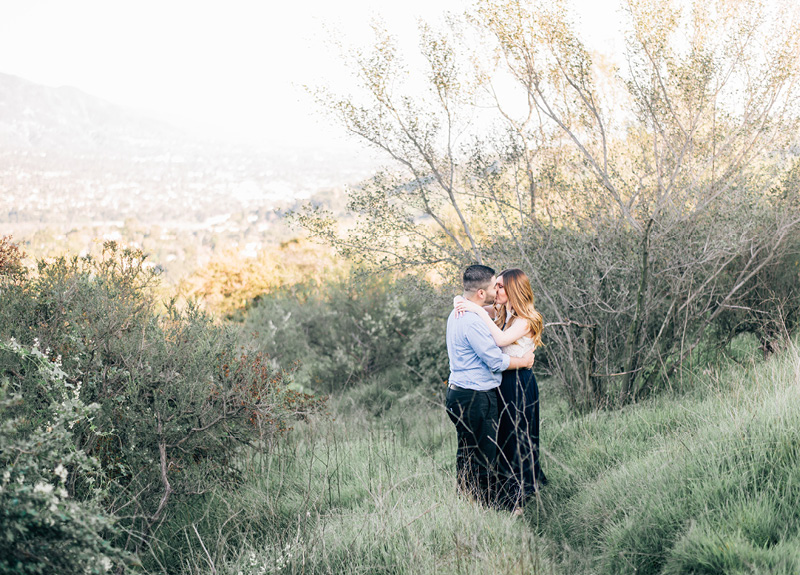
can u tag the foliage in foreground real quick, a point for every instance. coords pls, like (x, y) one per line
(705, 482)
(177, 396)
(45, 529)
(702, 484)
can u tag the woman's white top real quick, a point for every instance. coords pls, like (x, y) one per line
(520, 347)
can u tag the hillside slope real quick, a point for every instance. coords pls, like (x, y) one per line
(706, 481)
(40, 118)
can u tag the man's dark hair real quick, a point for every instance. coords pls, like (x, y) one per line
(477, 277)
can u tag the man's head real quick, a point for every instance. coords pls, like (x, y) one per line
(479, 284)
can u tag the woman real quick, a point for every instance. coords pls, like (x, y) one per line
(516, 327)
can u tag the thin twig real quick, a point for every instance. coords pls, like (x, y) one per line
(208, 555)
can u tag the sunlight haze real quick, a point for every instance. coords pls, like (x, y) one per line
(237, 68)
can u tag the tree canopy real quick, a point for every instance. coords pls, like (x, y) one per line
(647, 202)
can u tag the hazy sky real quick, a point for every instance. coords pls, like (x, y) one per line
(238, 65)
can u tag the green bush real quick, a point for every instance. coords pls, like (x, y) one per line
(347, 332)
(45, 529)
(178, 397)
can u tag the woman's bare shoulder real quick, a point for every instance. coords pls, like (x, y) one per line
(521, 326)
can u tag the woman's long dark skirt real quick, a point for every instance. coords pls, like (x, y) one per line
(519, 470)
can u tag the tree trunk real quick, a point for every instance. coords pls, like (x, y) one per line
(593, 388)
(632, 344)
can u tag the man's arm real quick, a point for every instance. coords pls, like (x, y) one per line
(524, 362)
(484, 346)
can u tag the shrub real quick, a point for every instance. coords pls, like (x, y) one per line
(229, 281)
(45, 528)
(11, 268)
(177, 397)
(353, 330)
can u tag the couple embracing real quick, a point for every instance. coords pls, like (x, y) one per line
(492, 395)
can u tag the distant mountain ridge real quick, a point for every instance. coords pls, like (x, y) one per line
(70, 159)
(41, 118)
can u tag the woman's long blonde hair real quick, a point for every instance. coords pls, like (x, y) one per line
(520, 298)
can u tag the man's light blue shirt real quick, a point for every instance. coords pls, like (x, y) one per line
(475, 360)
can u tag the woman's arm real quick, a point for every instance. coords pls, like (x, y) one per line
(515, 331)
(461, 309)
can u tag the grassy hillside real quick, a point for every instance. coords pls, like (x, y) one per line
(701, 478)
(706, 481)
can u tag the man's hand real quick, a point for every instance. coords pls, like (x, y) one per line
(528, 357)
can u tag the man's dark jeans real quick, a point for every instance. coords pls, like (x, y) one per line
(475, 415)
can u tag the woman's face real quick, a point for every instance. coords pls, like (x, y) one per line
(501, 297)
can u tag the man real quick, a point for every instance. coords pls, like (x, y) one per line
(476, 366)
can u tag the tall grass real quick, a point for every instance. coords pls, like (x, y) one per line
(707, 483)
(362, 495)
(704, 482)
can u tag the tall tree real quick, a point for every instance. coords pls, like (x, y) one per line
(641, 201)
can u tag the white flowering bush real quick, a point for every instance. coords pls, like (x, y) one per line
(178, 398)
(43, 527)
